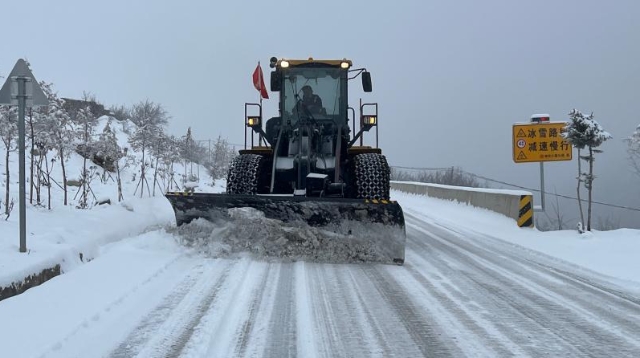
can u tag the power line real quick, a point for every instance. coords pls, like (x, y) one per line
(421, 169)
(525, 188)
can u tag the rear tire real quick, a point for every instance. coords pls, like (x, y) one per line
(372, 176)
(246, 175)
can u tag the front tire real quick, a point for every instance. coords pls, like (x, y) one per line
(372, 176)
(246, 175)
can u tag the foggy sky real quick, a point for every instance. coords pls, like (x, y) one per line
(451, 77)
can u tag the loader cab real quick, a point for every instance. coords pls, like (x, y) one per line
(328, 80)
(313, 93)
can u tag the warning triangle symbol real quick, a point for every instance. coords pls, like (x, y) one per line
(21, 69)
(521, 134)
(521, 156)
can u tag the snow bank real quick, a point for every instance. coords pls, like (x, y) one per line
(60, 237)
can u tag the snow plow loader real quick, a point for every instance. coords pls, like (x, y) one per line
(308, 168)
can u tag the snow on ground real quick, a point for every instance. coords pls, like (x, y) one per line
(613, 253)
(60, 237)
(122, 269)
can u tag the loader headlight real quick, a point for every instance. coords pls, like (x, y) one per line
(369, 120)
(284, 64)
(253, 121)
(344, 64)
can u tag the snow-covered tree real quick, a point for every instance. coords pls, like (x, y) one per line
(160, 148)
(86, 122)
(201, 153)
(121, 113)
(41, 144)
(221, 156)
(38, 147)
(188, 153)
(108, 148)
(30, 137)
(575, 130)
(633, 149)
(9, 137)
(41, 138)
(149, 118)
(58, 130)
(585, 132)
(170, 157)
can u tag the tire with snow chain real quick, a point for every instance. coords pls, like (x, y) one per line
(246, 175)
(372, 176)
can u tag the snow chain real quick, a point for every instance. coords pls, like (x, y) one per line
(243, 174)
(373, 176)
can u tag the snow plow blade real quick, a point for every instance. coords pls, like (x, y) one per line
(351, 230)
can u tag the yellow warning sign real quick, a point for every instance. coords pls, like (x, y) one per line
(540, 142)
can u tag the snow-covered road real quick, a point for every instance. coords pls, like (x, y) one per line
(460, 293)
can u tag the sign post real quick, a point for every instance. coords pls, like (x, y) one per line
(21, 89)
(540, 141)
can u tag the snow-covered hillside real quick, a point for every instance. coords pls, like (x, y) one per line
(59, 235)
(102, 184)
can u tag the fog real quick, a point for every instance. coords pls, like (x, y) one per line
(451, 78)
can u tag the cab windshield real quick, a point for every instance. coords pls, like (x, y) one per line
(314, 93)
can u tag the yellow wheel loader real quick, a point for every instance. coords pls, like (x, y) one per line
(310, 166)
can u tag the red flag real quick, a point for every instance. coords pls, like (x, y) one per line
(258, 82)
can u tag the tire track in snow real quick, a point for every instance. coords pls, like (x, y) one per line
(305, 332)
(420, 327)
(375, 333)
(324, 291)
(221, 328)
(606, 313)
(341, 312)
(458, 310)
(364, 322)
(556, 316)
(281, 322)
(340, 332)
(262, 334)
(165, 332)
(254, 309)
(78, 336)
(509, 304)
(140, 334)
(454, 311)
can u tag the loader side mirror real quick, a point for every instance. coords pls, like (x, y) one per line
(366, 81)
(276, 81)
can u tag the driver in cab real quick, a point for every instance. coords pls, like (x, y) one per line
(311, 101)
